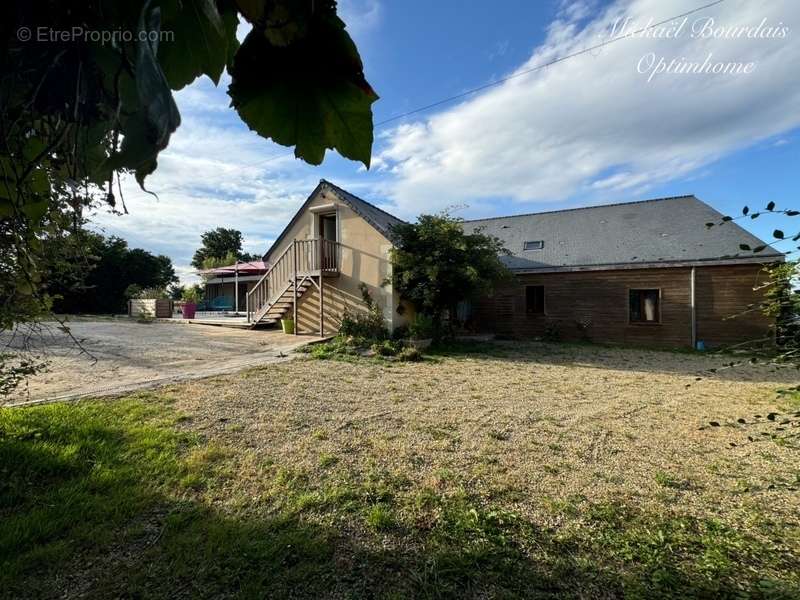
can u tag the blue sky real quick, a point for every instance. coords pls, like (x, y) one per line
(593, 129)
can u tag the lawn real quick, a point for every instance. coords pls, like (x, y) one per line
(511, 470)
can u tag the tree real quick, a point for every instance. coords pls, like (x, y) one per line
(781, 299)
(782, 303)
(436, 265)
(215, 263)
(175, 291)
(222, 247)
(110, 271)
(86, 96)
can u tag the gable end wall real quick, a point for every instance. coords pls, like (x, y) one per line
(364, 257)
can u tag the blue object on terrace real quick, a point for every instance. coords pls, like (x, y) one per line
(221, 303)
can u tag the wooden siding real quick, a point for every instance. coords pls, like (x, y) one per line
(337, 300)
(599, 299)
(722, 294)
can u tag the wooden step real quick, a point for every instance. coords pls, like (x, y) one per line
(282, 304)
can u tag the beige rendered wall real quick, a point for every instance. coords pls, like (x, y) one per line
(364, 257)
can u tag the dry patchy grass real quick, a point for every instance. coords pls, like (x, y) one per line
(524, 425)
(523, 470)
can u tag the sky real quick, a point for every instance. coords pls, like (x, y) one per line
(619, 123)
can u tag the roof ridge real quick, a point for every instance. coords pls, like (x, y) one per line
(561, 210)
(378, 208)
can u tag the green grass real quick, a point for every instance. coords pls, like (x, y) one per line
(72, 473)
(790, 399)
(380, 518)
(354, 350)
(668, 480)
(86, 484)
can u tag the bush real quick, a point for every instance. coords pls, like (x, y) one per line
(387, 348)
(133, 291)
(338, 346)
(192, 294)
(401, 333)
(370, 325)
(145, 316)
(423, 327)
(151, 293)
(409, 354)
(136, 292)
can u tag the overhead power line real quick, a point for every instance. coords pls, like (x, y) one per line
(530, 70)
(550, 63)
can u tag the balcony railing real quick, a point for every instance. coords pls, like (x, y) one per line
(301, 258)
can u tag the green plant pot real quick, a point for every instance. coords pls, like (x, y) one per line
(287, 325)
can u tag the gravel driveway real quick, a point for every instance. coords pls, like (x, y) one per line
(119, 355)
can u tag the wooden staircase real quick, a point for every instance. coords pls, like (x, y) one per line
(282, 305)
(300, 267)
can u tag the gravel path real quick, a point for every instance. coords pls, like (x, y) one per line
(119, 355)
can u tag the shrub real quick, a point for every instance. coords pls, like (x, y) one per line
(423, 327)
(409, 354)
(153, 293)
(436, 264)
(192, 294)
(145, 316)
(137, 292)
(370, 325)
(338, 346)
(133, 291)
(386, 348)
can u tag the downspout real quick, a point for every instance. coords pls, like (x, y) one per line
(693, 308)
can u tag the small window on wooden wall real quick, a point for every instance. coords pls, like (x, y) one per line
(645, 306)
(534, 299)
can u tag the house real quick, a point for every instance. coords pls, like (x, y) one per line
(334, 244)
(646, 272)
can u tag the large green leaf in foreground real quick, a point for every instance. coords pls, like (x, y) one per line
(309, 93)
(203, 42)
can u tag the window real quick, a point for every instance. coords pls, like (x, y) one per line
(533, 245)
(645, 306)
(534, 299)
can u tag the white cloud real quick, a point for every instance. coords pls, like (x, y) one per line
(215, 173)
(593, 124)
(360, 16)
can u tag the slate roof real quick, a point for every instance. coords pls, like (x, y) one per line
(378, 218)
(644, 233)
